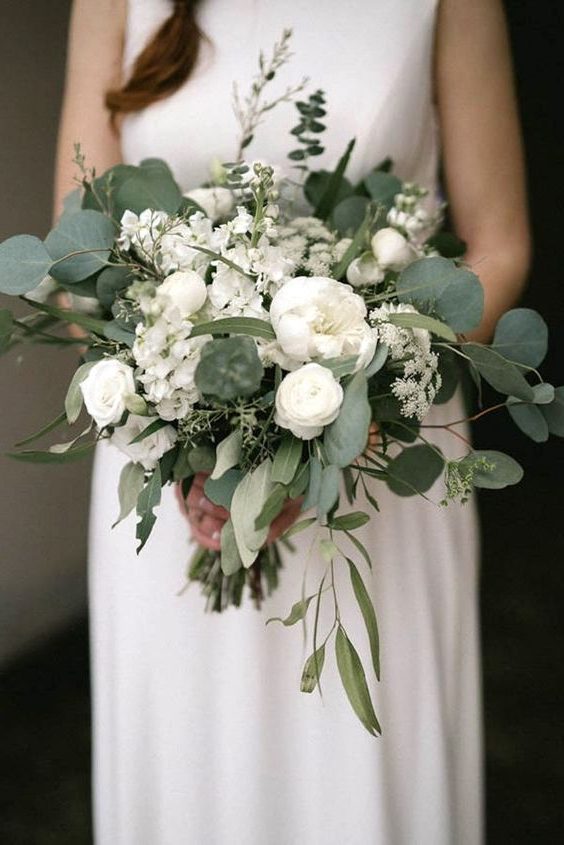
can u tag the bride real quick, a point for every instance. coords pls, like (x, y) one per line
(200, 733)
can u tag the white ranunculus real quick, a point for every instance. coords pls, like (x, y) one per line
(307, 400)
(181, 294)
(104, 390)
(148, 451)
(391, 250)
(364, 270)
(216, 202)
(315, 317)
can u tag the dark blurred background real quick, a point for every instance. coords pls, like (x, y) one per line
(45, 707)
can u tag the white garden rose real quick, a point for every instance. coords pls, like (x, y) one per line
(181, 295)
(216, 202)
(148, 451)
(105, 389)
(391, 250)
(307, 400)
(315, 317)
(364, 270)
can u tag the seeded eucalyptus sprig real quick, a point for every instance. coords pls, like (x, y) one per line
(308, 128)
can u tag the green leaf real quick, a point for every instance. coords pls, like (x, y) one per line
(316, 184)
(447, 244)
(300, 482)
(74, 399)
(340, 367)
(149, 187)
(349, 214)
(110, 282)
(87, 233)
(360, 547)
(91, 324)
(378, 361)
(329, 490)
(298, 527)
(354, 682)
(450, 372)
(422, 321)
(439, 286)
(368, 614)
(345, 439)
(45, 430)
(543, 393)
(151, 428)
(503, 376)
(248, 500)
(298, 612)
(36, 457)
(349, 521)
(521, 335)
(287, 459)
(383, 187)
(229, 368)
(228, 453)
(148, 500)
(202, 458)
(131, 481)
(554, 413)
(312, 670)
(6, 328)
(230, 559)
(504, 472)
(529, 419)
(115, 330)
(24, 263)
(355, 247)
(272, 507)
(314, 486)
(220, 490)
(236, 325)
(331, 193)
(414, 470)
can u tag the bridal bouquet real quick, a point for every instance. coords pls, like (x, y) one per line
(254, 330)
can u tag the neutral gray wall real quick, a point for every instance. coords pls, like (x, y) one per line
(42, 509)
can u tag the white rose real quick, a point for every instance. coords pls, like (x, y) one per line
(364, 270)
(216, 202)
(148, 451)
(391, 249)
(105, 389)
(181, 294)
(317, 318)
(307, 400)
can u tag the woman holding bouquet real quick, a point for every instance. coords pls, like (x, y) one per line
(199, 734)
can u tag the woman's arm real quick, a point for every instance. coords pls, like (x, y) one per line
(93, 66)
(483, 155)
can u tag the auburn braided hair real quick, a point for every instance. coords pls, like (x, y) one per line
(163, 65)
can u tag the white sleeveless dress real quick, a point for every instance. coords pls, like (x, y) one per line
(201, 733)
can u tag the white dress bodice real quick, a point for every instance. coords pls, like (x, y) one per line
(373, 60)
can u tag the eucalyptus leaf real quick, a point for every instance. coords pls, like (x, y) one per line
(528, 418)
(220, 490)
(287, 459)
(422, 321)
(312, 670)
(340, 367)
(414, 470)
(543, 393)
(272, 507)
(349, 521)
(74, 399)
(110, 282)
(148, 187)
(37, 457)
(230, 559)
(248, 500)
(521, 335)
(298, 527)
(501, 374)
(349, 214)
(251, 326)
(368, 614)
(59, 420)
(345, 439)
(503, 470)
(383, 187)
(554, 413)
(329, 490)
(317, 183)
(229, 368)
(86, 238)
(228, 453)
(149, 498)
(24, 263)
(6, 328)
(131, 482)
(314, 486)
(149, 429)
(379, 359)
(298, 612)
(354, 682)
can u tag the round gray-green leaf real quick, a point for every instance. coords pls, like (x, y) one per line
(349, 214)
(229, 368)
(529, 419)
(504, 471)
(86, 237)
(24, 263)
(554, 413)
(521, 335)
(414, 470)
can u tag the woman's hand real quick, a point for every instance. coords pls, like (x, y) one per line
(207, 519)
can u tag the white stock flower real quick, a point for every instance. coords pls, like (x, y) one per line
(391, 250)
(317, 317)
(307, 400)
(181, 295)
(216, 202)
(148, 451)
(104, 390)
(364, 270)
